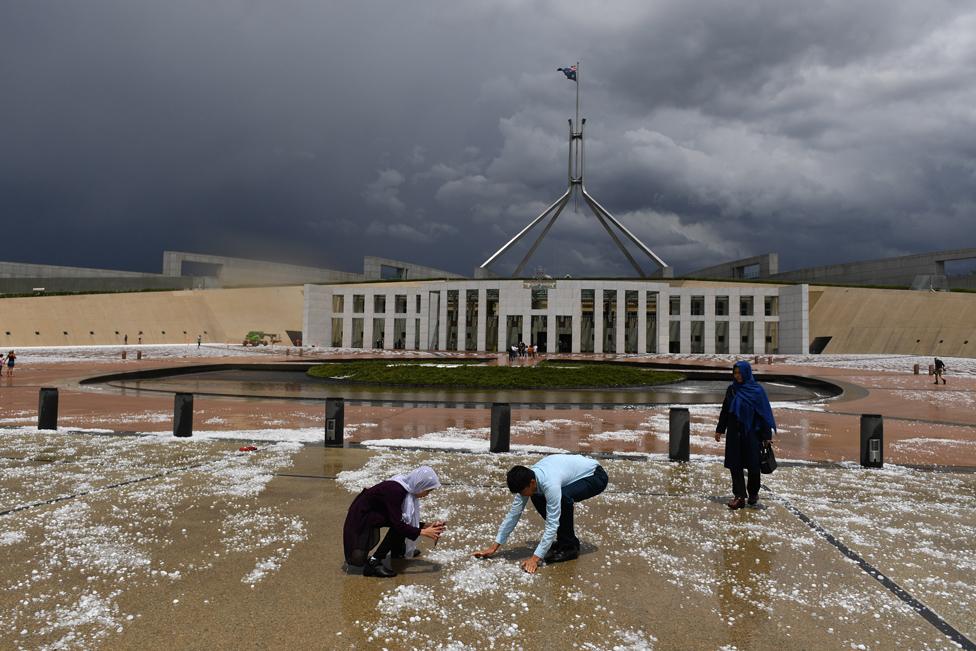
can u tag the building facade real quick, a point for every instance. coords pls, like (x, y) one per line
(560, 316)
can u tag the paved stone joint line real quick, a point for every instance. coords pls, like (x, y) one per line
(927, 613)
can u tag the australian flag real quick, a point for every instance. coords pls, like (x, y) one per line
(570, 72)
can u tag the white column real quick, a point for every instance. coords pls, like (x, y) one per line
(642, 321)
(482, 318)
(709, 324)
(462, 323)
(621, 333)
(685, 346)
(598, 320)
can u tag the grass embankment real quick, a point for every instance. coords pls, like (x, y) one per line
(545, 375)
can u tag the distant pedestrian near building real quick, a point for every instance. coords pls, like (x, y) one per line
(199, 340)
(11, 360)
(940, 368)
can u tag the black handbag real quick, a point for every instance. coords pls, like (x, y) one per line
(767, 460)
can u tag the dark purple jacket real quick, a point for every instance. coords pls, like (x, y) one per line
(378, 506)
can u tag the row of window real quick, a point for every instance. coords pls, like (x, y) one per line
(540, 301)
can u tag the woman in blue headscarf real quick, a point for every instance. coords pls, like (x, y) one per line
(747, 421)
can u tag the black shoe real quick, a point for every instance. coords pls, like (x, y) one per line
(736, 503)
(562, 555)
(753, 499)
(375, 567)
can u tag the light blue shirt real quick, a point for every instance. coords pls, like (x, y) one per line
(551, 474)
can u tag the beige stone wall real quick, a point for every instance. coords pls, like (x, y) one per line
(220, 315)
(894, 321)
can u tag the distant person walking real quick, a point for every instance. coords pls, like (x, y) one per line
(2, 360)
(11, 360)
(940, 368)
(747, 421)
(199, 340)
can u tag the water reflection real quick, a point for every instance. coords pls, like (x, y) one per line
(295, 384)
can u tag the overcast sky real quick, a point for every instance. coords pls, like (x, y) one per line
(318, 132)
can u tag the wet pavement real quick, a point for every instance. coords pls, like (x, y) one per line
(121, 541)
(127, 541)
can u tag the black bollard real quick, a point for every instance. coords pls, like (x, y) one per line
(679, 426)
(501, 426)
(872, 440)
(183, 414)
(47, 408)
(123, 354)
(138, 354)
(334, 422)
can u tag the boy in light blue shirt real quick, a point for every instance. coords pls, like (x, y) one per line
(554, 485)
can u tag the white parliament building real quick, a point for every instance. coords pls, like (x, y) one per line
(560, 316)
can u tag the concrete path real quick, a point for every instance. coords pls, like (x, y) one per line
(139, 542)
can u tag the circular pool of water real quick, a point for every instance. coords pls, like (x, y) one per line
(290, 382)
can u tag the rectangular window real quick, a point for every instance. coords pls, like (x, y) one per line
(337, 332)
(771, 305)
(697, 306)
(630, 321)
(746, 344)
(400, 303)
(745, 306)
(418, 303)
(721, 306)
(697, 337)
(674, 305)
(471, 319)
(564, 332)
(540, 298)
(772, 337)
(379, 304)
(587, 320)
(357, 333)
(416, 333)
(358, 303)
(379, 333)
(514, 332)
(491, 319)
(674, 337)
(452, 318)
(722, 337)
(399, 334)
(609, 320)
(651, 325)
(540, 327)
(338, 303)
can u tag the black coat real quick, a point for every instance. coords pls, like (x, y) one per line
(741, 448)
(375, 507)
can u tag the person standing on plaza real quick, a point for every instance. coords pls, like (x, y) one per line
(393, 503)
(747, 421)
(554, 485)
(940, 368)
(11, 360)
(199, 340)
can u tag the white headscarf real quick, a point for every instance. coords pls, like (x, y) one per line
(416, 481)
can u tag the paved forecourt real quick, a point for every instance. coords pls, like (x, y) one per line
(123, 542)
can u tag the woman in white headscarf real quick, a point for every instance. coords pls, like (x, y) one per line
(393, 503)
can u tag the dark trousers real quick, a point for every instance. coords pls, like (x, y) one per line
(392, 542)
(579, 490)
(739, 482)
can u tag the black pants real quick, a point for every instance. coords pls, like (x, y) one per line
(739, 482)
(579, 490)
(394, 543)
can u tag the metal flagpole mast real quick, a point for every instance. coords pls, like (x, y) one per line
(577, 191)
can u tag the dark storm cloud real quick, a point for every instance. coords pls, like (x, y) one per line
(317, 132)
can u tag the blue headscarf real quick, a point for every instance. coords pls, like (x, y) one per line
(749, 400)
